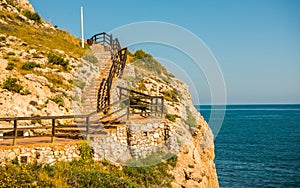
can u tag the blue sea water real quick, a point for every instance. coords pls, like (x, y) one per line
(258, 146)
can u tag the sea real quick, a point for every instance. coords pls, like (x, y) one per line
(257, 145)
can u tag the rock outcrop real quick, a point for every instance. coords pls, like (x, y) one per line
(189, 135)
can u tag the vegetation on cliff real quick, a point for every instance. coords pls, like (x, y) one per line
(86, 173)
(41, 37)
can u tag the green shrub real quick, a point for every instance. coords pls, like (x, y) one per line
(90, 58)
(140, 54)
(123, 105)
(2, 38)
(171, 95)
(149, 175)
(84, 173)
(30, 65)
(171, 159)
(34, 121)
(56, 59)
(11, 53)
(96, 178)
(86, 153)
(80, 84)
(142, 86)
(10, 65)
(172, 117)
(58, 100)
(33, 16)
(147, 62)
(191, 166)
(152, 170)
(15, 161)
(191, 120)
(25, 92)
(105, 162)
(33, 103)
(12, 84)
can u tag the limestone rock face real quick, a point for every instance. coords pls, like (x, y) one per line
(189, 135)
(25, 4)
(195, 166)
(13, 5)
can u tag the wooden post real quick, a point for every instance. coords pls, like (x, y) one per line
(156, 106)
(87, 121)
(53, 131)
(15, 133)
(111, 42)
(120, 93)
(151, 107)
(162, 107)
(128, 109)
(104, 35)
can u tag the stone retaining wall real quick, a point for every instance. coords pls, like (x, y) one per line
(136, 139)
(41, 153)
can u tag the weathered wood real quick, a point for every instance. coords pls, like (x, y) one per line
(15, 133)
(53, 131)
(87, 120)
(128, 109)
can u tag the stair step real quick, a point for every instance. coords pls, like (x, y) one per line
(90, 99)
(104, 134)
(90, 94)
(86, 106)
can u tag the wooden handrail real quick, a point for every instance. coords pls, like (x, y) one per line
(41, 117)
(15, 127)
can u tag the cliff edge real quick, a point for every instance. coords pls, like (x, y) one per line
(190, 137)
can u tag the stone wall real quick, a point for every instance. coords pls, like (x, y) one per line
(41, 153)
(144, 138)
(134, 140)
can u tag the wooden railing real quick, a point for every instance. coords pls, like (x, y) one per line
(85, 123)
(146, 105)
(118, 57)
(107, 40)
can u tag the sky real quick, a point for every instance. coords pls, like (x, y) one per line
(256, 43)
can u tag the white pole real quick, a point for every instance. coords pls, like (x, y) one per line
(82, 34)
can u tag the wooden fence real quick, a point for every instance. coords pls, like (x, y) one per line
(54, 127)
(145, 104)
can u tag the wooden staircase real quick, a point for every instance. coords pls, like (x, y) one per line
(90, 93)
(106, 54)
(96, 95)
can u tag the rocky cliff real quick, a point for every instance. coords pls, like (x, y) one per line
(44, 71)
(190, 136)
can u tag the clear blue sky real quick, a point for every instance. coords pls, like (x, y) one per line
(256, 42)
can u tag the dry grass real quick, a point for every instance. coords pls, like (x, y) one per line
(40, 37)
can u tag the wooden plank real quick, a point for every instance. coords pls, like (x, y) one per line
(53, 131)
(15, 133)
